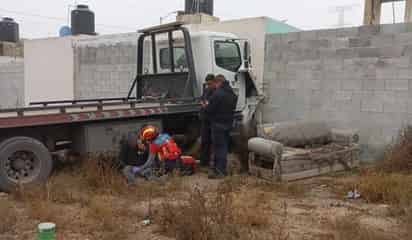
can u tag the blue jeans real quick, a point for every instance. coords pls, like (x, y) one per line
(220, 143)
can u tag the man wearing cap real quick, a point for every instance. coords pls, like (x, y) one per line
(220, 111)
(206, 134)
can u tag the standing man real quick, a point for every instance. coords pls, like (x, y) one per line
(206, 131)
(220, 111)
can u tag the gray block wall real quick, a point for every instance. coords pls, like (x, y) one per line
(105, 66)
(11, 82)
(357, 78)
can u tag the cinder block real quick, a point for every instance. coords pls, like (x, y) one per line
(368, 52)
(391, 51)
(315, 84)
(368, 30)
(403, 38)
(359, 42)
(397, 84)
(309, 35)
(351, 84)
(395, 106)
(327, 34)
(407, 50)
(383, 40)
(330, 84)
(347, 32)
(371, 105)
(346, 53)
(321, 43)
(373, 84)
(339, 43)
(404, 73)
(393, 28)
(289, 38)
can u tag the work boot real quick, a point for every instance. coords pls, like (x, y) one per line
(214, 175)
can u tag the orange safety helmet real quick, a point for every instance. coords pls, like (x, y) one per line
(149, 133)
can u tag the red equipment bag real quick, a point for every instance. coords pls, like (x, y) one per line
(188, 165)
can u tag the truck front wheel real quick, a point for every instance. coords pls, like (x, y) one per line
(23, 161)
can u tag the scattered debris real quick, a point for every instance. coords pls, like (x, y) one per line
(146, 222)
(353, 195)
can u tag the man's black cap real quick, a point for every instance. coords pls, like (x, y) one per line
(210, 77)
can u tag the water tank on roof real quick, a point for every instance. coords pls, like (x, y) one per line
(199, 6)
(9, 30)
(82, 20)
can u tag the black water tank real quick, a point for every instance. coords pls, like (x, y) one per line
(196, 6)
(82, 20)
(9, 30)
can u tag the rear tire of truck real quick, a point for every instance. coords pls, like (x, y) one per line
(23, 161)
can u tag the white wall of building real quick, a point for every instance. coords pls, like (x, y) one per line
(48, 69)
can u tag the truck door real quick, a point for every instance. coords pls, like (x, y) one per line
(227, 60)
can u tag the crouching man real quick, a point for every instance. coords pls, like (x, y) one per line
(164, 157)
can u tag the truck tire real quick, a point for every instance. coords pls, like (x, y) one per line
(24, 161)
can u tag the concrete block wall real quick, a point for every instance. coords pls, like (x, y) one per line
(105, 66)
(11, 82)
(357, 78)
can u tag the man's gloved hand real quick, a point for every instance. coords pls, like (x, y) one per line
(135, 170)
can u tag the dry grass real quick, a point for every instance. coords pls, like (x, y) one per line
(8, 215)
(102, 214)
(350, 227)
(386, 188)
(398, 157)
(224, 214)
(102, 175)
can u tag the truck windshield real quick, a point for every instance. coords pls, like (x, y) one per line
(179, 58)
(227, 55)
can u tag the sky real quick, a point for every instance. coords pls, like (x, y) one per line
(44, 18)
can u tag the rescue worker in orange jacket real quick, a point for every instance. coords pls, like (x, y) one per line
(162, 149)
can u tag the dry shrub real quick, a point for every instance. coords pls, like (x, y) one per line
(102, 214)
(350, 227)
(8, 215)
(398, 157)
(102, 175)
(386, 188)
(224, 214)
(45, 211)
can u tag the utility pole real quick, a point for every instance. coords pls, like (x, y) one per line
(341, 10)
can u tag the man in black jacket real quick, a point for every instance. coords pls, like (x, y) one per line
(220, 111)
(206, 131)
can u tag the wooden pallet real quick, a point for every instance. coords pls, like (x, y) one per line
(295, 164)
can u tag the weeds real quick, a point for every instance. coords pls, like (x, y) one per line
(225, 214)
(101, 212)
(350, 227)
(9, 216)
(398, 157)
(102, 175)
(386, 188)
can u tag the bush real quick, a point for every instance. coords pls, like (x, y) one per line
(386, 188)
(398, 157)
(226, 214)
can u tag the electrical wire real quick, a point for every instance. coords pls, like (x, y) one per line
(59, 19)
(393, 12)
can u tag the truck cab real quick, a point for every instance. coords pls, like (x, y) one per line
(174, 61)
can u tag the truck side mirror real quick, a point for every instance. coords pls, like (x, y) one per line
(247, 54)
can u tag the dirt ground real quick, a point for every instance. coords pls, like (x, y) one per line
(304, 210)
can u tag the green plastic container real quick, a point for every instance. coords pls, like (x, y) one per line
(46, 231)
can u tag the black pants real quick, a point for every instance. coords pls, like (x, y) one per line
(220, 144)
(206, 143)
